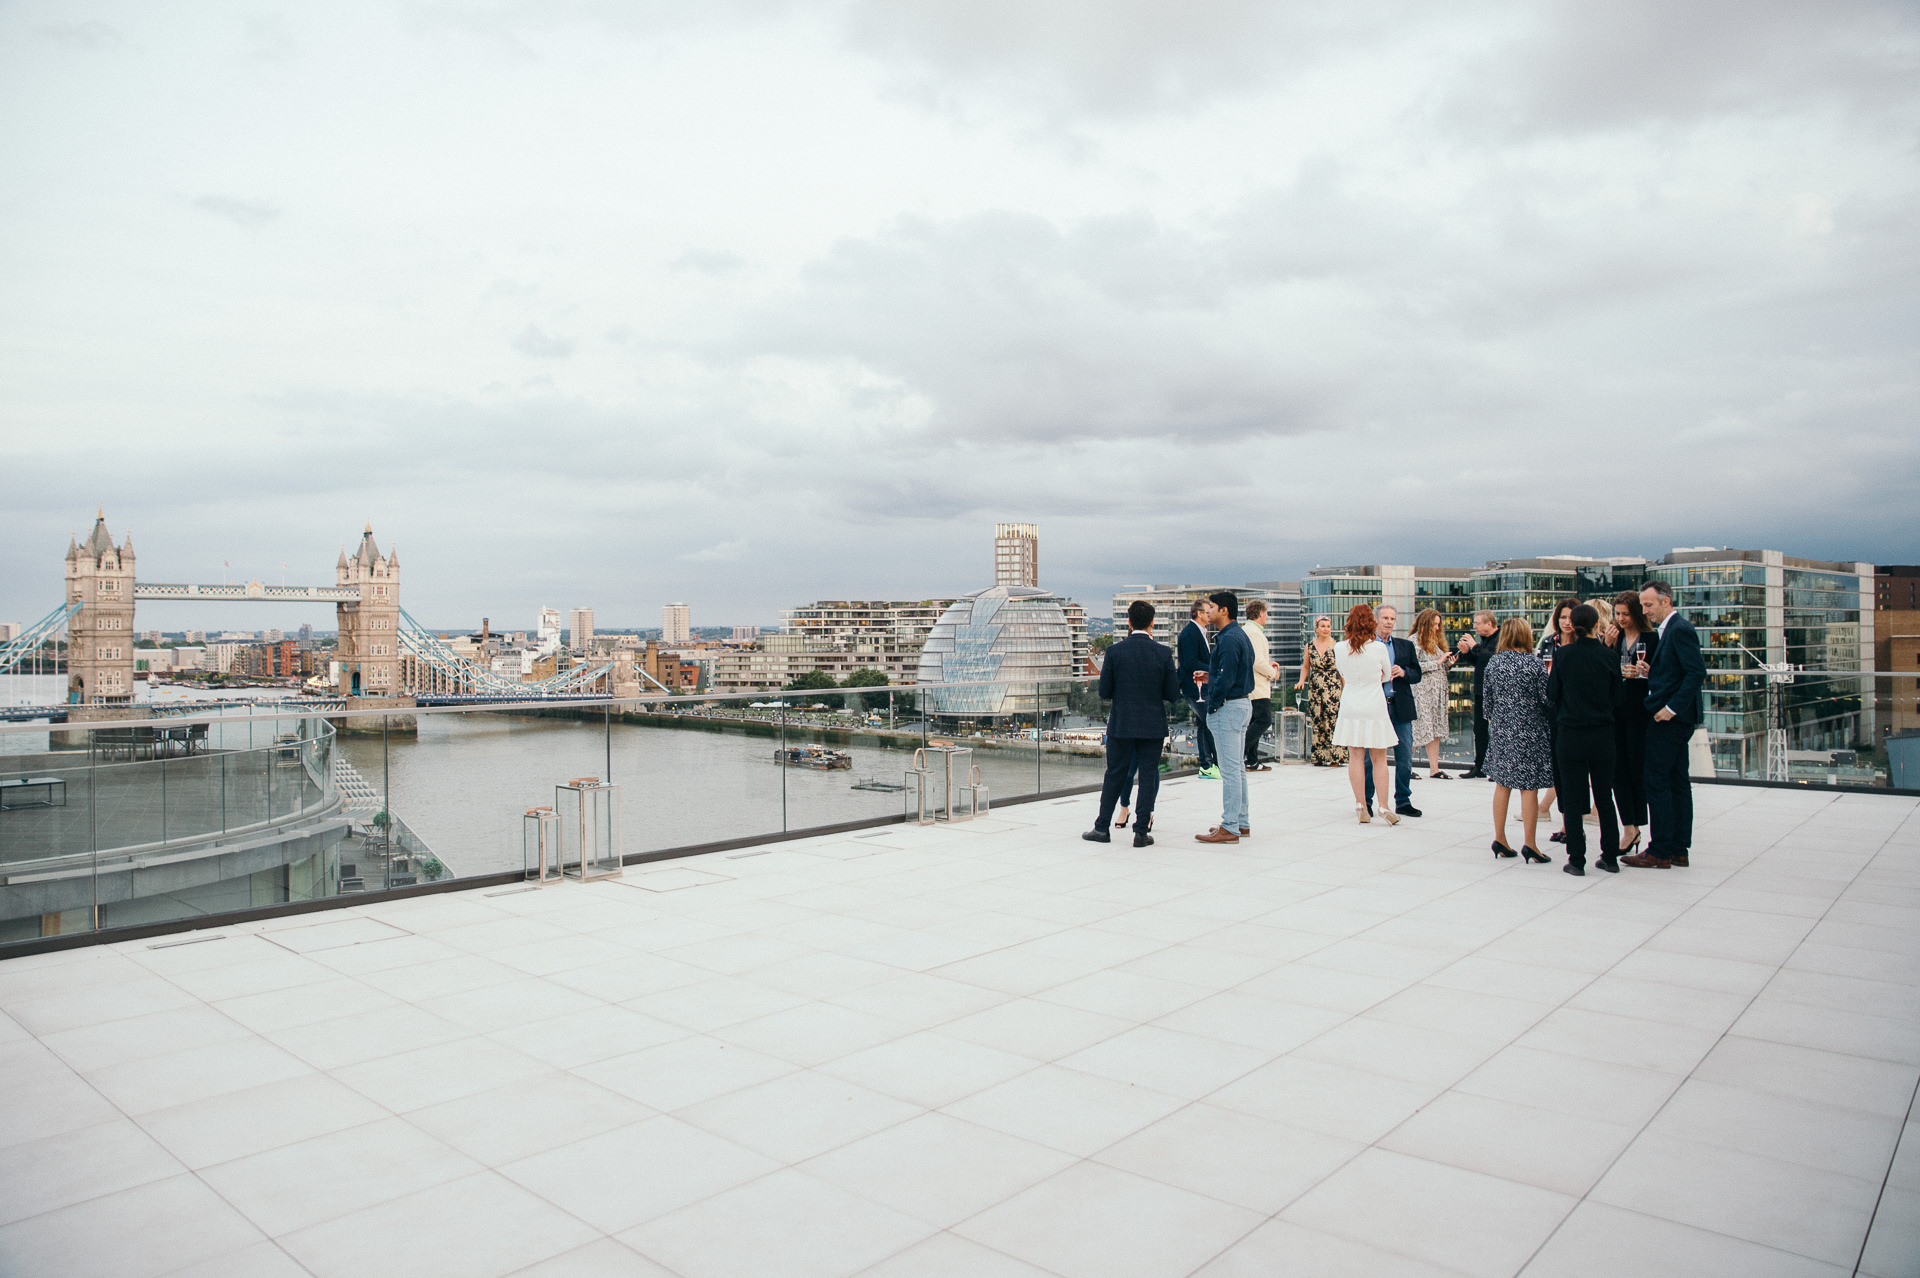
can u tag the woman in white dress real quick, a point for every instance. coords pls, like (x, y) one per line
(1363, 725)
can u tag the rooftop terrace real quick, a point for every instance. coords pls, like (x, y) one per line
(994, 1049)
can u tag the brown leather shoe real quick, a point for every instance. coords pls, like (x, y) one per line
(1645, 862)
(1217, 835)
(1679, 863)
(1245, 833)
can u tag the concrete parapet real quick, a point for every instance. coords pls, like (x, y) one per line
(71, 739)
(369, 726)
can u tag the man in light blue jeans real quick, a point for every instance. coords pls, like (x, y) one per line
(1228, 684)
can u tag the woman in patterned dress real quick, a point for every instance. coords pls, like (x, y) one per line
(1518, 745)
(1430, 694)
(1321, 680)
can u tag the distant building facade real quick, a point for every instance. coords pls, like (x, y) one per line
(580, 630)
(1016, 555)
(1896, 644)
(676, 624)
(1172, 602)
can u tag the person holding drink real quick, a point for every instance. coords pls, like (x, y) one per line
(1633, 642)
(1559, 633)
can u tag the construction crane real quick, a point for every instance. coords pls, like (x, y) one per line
(1779, 675)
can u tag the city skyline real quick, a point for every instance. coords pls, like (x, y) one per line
(440, 613)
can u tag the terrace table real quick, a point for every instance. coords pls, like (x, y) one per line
(16, 788)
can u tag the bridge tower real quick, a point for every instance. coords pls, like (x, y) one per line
(100, 635)
(369, 645)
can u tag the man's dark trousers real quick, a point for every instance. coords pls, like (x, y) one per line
(1124, 753)
(1669, 790)
(1402, 767)
(1479, 739)
(1257, 728)
(1202, 735)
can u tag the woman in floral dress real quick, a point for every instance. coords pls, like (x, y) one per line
(1430, 694)
(1518, 745)
(1322, 683)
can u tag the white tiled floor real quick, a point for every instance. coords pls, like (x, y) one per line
(998, 1050)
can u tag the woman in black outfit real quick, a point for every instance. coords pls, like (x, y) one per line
(1581, 693)
(1559, 632)
(1633, 642)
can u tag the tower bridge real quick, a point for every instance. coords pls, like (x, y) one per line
(381, 651)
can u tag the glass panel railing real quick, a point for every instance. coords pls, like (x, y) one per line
(112, 824)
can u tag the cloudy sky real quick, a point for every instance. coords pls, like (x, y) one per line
(747, 303)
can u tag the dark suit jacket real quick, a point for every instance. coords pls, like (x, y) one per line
(1400, 706)
(1196, 653)
(1478, 656)
(1677, 671)
(1138, 677)
(1584, 685)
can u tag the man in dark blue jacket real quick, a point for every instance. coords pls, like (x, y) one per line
(1673, 695)
(1196, 650)
(1400, 709)
(1138, 677)
(1229, 687)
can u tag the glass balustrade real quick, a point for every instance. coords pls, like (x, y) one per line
(112, 825)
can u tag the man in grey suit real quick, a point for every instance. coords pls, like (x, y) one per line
(1138, 676)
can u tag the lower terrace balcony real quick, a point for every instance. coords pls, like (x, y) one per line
(995, 1049)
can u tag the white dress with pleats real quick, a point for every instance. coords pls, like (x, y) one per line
(1363, 723)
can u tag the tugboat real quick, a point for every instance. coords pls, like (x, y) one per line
(813, 756)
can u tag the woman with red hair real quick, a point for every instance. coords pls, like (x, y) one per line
(1363, 725)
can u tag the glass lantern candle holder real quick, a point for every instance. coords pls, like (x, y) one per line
(540, 846)
(589, 810)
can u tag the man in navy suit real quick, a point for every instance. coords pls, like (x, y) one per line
(1138, 677)
(1401, 709)
(1673, 695)
(1196, 653)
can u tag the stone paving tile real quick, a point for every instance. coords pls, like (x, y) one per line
(998, 1050)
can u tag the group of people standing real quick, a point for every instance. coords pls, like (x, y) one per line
(1597, 716)
(1224, 673)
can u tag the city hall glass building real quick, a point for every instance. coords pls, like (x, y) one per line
(1016, 637)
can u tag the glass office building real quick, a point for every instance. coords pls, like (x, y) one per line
(1017, 637)
(1752, 608)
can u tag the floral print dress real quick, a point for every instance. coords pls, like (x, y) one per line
(1324, 686)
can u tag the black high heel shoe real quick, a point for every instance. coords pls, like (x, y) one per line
(1501, 849)
(1121, 824)
(1558, 836)
(1631, 848)
(1534, 856)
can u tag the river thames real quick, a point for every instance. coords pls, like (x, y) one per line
(465, 780)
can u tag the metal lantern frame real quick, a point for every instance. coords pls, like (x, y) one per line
(540, 846)
(959, 780)
(590, 828)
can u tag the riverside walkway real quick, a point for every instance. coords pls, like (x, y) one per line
(996, 1050)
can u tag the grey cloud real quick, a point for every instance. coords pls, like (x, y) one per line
(1105, 57)
(537, 342)
(251, 214)
(1012, 328)
(1585, 66)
